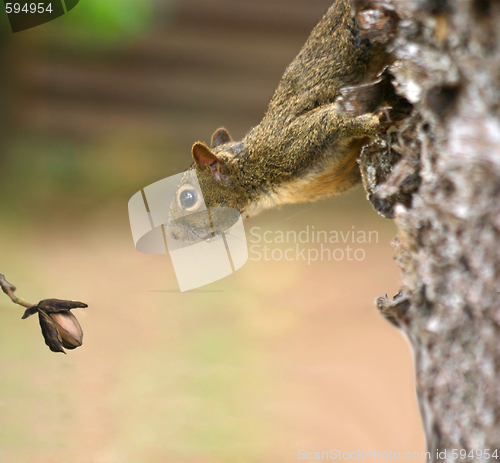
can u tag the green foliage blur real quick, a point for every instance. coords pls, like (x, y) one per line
(110, 22)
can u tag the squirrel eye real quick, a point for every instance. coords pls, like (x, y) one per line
(188, 198)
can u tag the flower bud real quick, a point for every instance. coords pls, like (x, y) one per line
(69, 329)
(60, 328)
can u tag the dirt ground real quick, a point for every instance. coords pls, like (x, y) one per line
(278, 357)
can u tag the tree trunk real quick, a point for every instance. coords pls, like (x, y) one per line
(444, 194)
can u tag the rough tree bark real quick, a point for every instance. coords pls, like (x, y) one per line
(444, 193)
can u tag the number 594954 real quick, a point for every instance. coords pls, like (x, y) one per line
(28, 8)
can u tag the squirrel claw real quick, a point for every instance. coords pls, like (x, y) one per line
(385, 121)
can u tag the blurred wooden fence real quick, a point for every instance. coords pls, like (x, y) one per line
(209, 63)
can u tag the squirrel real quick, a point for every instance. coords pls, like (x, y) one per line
(303, 149)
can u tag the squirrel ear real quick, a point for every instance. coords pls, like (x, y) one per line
(203, 157)
(220, 137)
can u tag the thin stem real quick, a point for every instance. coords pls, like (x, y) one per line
(9, 289)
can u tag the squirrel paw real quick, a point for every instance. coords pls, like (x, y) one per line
(385, 121)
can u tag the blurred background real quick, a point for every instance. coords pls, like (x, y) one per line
(278, 357)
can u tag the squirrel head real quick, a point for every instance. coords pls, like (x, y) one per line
(217, 178)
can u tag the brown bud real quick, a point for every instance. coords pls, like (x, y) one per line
(69, 329)
(60, 328)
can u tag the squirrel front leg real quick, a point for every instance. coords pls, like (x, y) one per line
(325, 126)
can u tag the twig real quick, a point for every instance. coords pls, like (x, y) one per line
(9, 289)
(59, 326)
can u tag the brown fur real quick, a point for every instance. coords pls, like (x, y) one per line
(303, 149)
